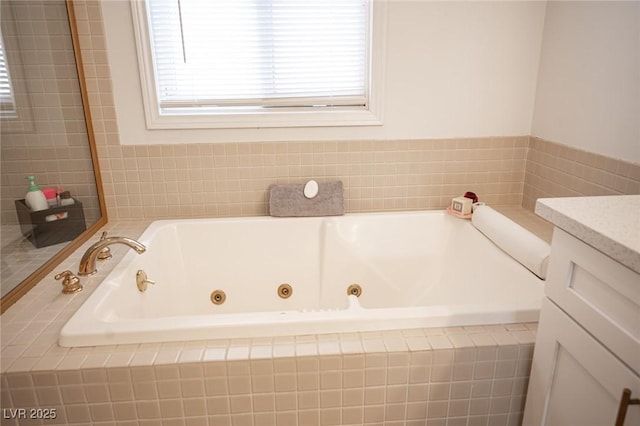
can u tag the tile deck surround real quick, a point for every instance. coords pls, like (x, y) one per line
(475, 375)
(29, 340)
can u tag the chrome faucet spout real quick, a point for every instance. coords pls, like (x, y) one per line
(88, 261)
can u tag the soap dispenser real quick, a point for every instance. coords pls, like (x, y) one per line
(35, 198)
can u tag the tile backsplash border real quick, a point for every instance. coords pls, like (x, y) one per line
(231, 179)
(217, 180)
(556, 170)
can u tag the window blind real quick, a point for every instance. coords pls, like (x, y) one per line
(6, 92)
(260, 53)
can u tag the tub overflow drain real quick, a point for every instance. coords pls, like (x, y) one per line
(354, 289)
(218, 297)
(285, 291)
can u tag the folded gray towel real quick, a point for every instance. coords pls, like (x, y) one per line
(289, 200)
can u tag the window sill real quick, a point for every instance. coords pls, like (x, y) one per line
(335, 117)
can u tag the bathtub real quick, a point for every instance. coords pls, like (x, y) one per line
(414, 269)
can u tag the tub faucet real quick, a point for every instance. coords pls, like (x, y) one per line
(88, 261)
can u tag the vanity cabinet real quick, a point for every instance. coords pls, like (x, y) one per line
(588, 341)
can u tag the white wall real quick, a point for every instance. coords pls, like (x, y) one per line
(453, 69)
(588, 93)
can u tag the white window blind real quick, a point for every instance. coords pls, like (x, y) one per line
(7, 104)
(257, 54)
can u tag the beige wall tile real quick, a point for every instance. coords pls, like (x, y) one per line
(555, 170)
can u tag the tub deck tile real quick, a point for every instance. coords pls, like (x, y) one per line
(460, 340)
(371, 345)
(503, 338)
(419, 343)
(264, 351)
(373, 362)
(329, 348)
(214, 354)
(482, 339)
(440, 342)
(141, 358)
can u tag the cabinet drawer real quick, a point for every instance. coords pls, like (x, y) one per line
(599, 293)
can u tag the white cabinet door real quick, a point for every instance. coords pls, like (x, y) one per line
(575, 381)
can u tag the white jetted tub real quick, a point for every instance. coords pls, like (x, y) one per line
(416, 269)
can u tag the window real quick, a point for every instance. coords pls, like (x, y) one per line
(7, 102)
(253, 63)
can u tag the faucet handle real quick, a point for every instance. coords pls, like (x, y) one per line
(70, 283)
(142, 281)
(105, 253)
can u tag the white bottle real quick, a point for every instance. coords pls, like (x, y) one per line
(35, 199)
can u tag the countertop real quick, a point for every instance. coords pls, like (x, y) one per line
(610, 224)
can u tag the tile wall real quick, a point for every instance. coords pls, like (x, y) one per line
(232, 179)
(555, 170)
(360, 380)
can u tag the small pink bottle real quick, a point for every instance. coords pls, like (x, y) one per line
(50, 194)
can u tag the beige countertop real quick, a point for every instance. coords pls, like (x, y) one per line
(610, 224)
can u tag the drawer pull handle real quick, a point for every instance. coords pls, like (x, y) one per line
(625, 401)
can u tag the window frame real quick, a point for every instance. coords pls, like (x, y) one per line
(220, 118)
(8, 107)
